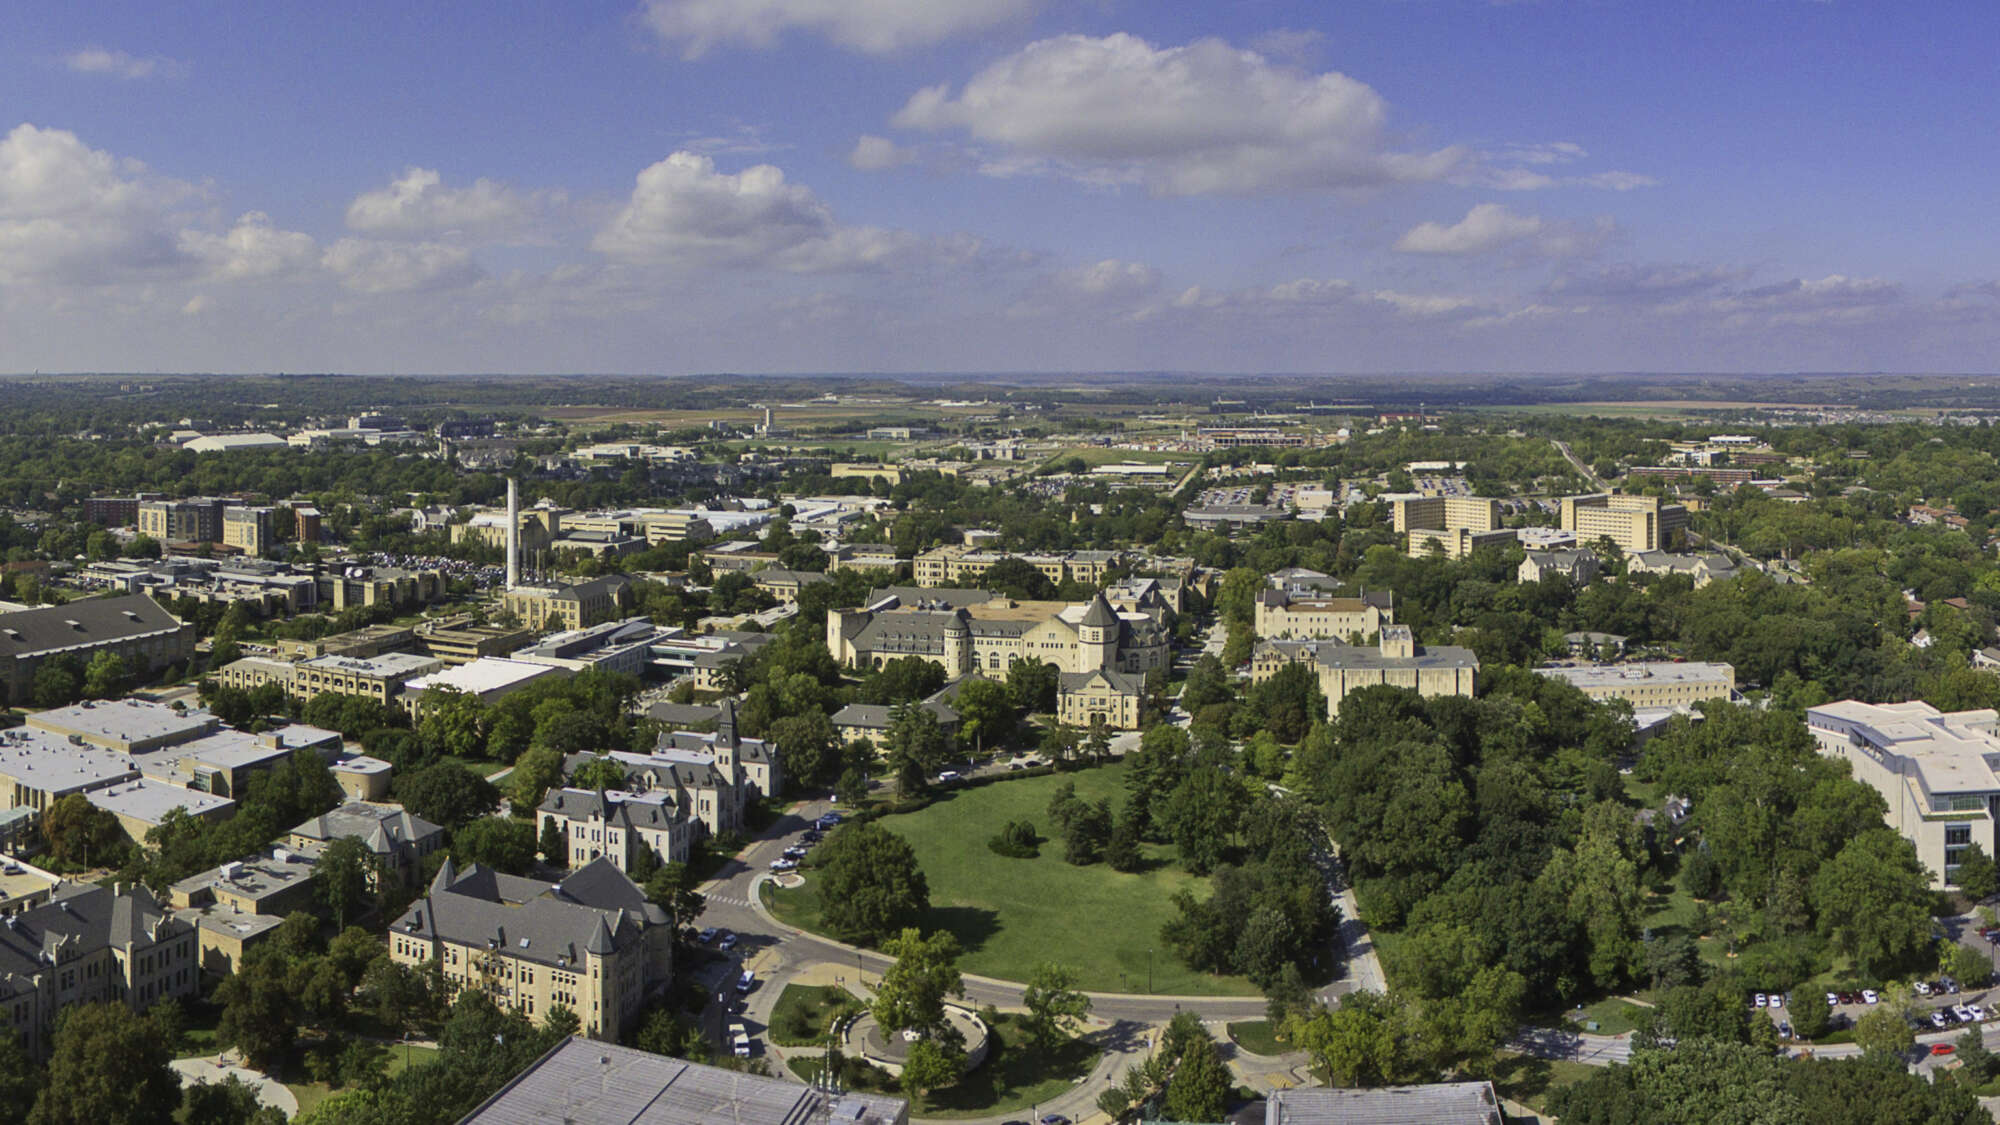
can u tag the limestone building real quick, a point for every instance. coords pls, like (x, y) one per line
(1282, 613)
(1397, 661)
(247, 529)
(617, 825)
(966, 631)
(1456, 526)
(145, 636)
(1578, 567)
(1114, 698)
(590, 943)
(1651, 684)
(543, 608)
(89, 945)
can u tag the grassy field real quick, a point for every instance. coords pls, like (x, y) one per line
(1530, 1080)
(311, 1094)
(1258, 1037)
(1613, 1016)
(1012, 914)
(804, 1006)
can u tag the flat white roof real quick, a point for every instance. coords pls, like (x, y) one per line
(150, 801)
(387, 664)
(122, 720)
(477, 677)
(49, 763)
(1642, 672)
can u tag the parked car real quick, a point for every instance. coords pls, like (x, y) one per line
(708, 934)
(1962, 1013)
(948, 777)
(746, 982)
(1942, 1048)
(1784, 1029)
(784, 863)
(1939, 1021)
(1760, 1000)
(1922, 988)
(1870, 996)
(1978, 1012)
(728, 941)
(1949, 984)
(1777, 999)
(739, 1041)
(1834, 998)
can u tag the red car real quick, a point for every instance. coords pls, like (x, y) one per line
(1942, 1048)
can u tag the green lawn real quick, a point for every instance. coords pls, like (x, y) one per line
(1529, 1080)
(1015, 1076)
(1613, 1016)
(1258, 1037)
(804, 1006)
(1011, 915)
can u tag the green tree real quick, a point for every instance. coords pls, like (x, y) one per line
(1290, 702)
(1018, 578)
(106, 676)
(1811, 1016)
(108, 1065)
(447, 793)
(930, 1065)
(912, 992)
(20, 1078)
(56, 682)
(1203, 814)
(672, 889)
(811, 747)
(1976, 876)
(1032, 684)
(1881, 1030)
(1055, 1007)
(502, 843)
(452, 723)
(343, 877)
(76, 830)
(553, 843)
(986, 711)
(1199, 1089)
(1873, 899)
(540, 769)
(1370, 1040)
(605, 772)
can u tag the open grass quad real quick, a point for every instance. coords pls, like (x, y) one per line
(1010, 915)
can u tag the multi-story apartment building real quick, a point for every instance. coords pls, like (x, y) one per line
(89, 945)
(966, 631)
(247, 529)
(1934, 770)
(1635, 523)
(591, 943)
(198, 520)
(1454, 526)
(1651, 685)
(1397, 661)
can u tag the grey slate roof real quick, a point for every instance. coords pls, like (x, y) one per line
(590, 1083)
(1440, 1103)
(542, 922)
(1100, 613)
(98, 621)
(80, 918)
(382, 827)
(1129, 683)
(586, 804)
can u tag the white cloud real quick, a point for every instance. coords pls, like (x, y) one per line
(1204, 119)
(1487, 226)
(197, 305)
(253, 248)
(873, 26)
(72, 213)
(370, 266)
(1522, 167)
(872, 154)
(684, 213)
(419, 204)
(1110, 278)
(1492, 226)
(118, 64)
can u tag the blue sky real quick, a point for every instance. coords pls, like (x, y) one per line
(996, 185)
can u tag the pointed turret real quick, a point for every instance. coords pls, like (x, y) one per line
(1100, 614)
(600, 940)
(446, 876)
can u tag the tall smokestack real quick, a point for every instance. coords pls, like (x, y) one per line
(513, 536)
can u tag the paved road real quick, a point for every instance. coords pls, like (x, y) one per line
(1576, 462)
(204, 1070)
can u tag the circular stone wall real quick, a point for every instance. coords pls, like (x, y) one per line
(864, 1038)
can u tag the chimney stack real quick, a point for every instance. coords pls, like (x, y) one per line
(513, 536)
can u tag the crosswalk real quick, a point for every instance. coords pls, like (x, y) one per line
(730, 899)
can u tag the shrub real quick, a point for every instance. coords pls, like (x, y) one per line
(1017, 840)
